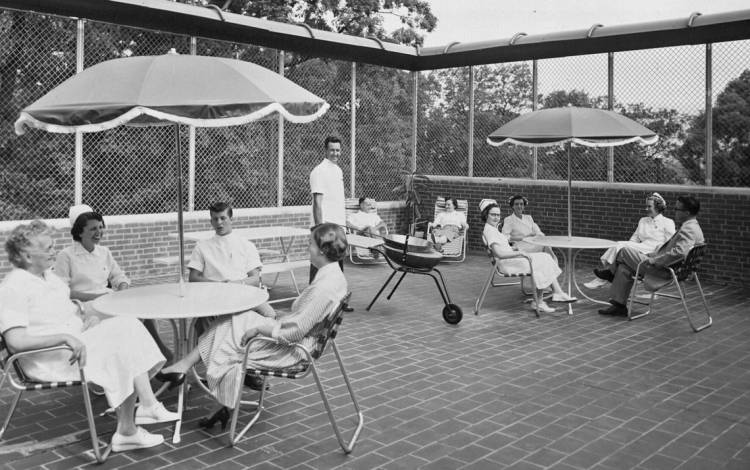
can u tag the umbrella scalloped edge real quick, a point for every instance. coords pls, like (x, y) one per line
(26, 120)
(577, 141)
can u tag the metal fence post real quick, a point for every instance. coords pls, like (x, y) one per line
(78, 178)
(709, 116)
(280, 148)
(353, 131)
(471, 121)
(191, 144)
(610, 106)
(415, 110)
(534, 97)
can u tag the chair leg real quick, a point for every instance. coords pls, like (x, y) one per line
(101, 450)
(346, 446)
(233, 440)
(13, 405)
(687, 312)
(480, 299)
(633, 294)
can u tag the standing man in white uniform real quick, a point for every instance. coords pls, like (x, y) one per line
(327, 189)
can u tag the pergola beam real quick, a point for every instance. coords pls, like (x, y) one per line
(190, 20)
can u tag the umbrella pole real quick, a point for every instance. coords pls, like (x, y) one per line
(570, 212)
(179, 206)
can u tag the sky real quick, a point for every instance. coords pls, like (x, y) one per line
(660, 78)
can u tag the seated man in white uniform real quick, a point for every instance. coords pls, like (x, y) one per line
(226, 257)
(366, 221)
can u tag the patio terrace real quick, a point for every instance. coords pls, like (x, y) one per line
(501, 390)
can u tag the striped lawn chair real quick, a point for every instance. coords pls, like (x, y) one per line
(511, 279)
(455, 250)
(325, 333)
(359, 255)
(14, 374)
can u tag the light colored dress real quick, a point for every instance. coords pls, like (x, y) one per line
(225, 257)
(117, 349)
(89, 272)
(546, 269)
(220, 347)
(516, 229)
(449, 224)
(648, 236)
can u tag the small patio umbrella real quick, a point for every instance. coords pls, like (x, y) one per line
(171, 88)
(582, 126)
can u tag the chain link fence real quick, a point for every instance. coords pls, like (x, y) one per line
(133, 170)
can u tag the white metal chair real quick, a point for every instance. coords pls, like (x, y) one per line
(323, 333)
(360, 255)
(455, 250)
(680, 272)
(517, 278)
(14, 374)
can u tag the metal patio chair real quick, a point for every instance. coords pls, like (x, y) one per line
(324, 333)
(13, 372)
(360, 255)
(680, 272)
(511, 279)
(455, 250)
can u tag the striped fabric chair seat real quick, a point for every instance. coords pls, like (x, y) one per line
(325, 334)
(359, 255)
(14, 374)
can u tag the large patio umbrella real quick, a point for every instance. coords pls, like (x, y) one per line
(169, 89)
(571, 125)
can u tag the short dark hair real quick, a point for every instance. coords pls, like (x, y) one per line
(221, 206)
(361, 200)
(331, 240)
(512, 200)
(331, 139)
(453, 200)
(77, 229)
(486, 211)
(690, 204)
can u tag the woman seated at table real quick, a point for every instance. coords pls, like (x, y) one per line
(545, 268)
(449, 224)
(518, 226)
(117, 353)
(90, 270)
(653, 230)
(222, 347)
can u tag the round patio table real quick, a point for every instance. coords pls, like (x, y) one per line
(180, 302)
(570, 247)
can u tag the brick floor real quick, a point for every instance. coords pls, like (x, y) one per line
(500, 390)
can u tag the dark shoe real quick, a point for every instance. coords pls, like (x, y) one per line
(175, 379)
(615, 310)
(221, 416)
(347, 308)
(255, 382)
(605, 274)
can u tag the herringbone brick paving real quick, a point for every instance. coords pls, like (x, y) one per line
(501, 390)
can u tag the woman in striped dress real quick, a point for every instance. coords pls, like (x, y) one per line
(222, 347)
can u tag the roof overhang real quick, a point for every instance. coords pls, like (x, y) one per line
(180, 18)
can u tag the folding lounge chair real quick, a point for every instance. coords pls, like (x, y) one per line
(680, 272)
(360, 255)
(21, 383)
(455, 250)
(517, 278)
(324, 333)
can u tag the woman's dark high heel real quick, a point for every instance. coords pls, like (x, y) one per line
(175, 379)
(222, 415)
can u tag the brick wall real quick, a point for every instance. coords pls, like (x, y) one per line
(611, 211)
(135, 240)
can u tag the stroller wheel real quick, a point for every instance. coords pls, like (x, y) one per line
(452, 314)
